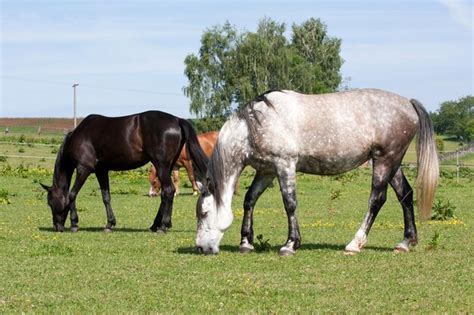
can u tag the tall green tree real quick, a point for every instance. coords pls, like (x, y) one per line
(320, 63)
(261, 61)
(456, 118)
(232, 68)
(209, 87)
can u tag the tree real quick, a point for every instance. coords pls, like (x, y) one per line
(456, 118)
(231, 68)
(209, 86)
(320, 62)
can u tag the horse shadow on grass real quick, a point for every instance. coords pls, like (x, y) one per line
(275, 248)
(93, 229)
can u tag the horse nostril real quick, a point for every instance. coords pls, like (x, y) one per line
(199, 250)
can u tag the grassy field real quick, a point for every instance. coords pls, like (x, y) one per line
(133, 270)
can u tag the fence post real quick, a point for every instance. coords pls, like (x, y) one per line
(457, 166)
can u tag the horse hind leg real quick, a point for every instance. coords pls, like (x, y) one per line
(259, 184)
(382, 172)
(404, 194)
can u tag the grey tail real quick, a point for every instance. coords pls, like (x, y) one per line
(428, 165)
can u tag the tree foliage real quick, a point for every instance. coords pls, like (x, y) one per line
(456, 118)
(232, 68)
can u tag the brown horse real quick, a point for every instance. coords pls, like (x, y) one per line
(207, 141)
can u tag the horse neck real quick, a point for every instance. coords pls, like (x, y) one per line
(231, 149)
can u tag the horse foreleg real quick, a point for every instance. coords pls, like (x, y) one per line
(378, 195)
(162, 220)
(259, 184)
(287, 180)
(81, 176)
(404, 194)
(103, 179)
(175, 175)
(189, 169)
(154, 183)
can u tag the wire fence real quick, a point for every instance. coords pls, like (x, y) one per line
(32, 144)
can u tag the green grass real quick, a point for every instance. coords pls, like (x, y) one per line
(133, 270)
(450, 144)
(467, 159)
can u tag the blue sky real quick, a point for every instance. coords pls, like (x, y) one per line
(127, 56)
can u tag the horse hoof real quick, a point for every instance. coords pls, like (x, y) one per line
(246, 248)
(74, 229)
(401, 248)
(159, 230)
(287, 251)
(352, 250)
(107, 230)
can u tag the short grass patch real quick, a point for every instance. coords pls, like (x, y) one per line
(134, 270)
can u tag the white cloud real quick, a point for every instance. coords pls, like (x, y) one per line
(461, 11)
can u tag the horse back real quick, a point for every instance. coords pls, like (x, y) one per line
(127, 142)
(332, 133)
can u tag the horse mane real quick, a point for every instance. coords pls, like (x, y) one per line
(251, 115)
(216, 171)
(217, 168)
(60, 161)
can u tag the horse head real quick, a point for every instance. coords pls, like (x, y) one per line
(211, 221)
(58, 201)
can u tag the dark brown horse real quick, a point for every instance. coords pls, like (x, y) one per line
(101, 144)
(207, 141)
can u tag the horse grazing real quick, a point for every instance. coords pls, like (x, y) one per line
(282, 132)
(100, 144)
(206, 141)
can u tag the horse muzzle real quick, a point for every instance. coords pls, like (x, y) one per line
(206, 251)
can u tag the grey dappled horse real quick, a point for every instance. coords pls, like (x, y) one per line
(282, 132)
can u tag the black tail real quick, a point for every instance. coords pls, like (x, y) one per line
(194, 150)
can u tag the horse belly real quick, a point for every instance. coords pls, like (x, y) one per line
(322, 165)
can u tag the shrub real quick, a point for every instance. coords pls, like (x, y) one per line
(439, 145)
(262, 245)
(434, 242)
(335, 194)
(22, 138)
(443, 211)
(4, 200)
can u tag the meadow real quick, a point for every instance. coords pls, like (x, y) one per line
(134, 270)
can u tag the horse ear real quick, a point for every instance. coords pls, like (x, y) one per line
(199, 185)
(47, 188)
(210, 187)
